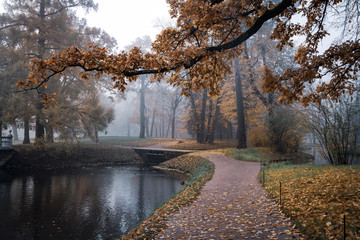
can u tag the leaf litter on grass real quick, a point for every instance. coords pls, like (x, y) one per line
(318, 197)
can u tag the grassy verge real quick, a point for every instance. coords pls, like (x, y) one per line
(183, 144)
(249, 154)
(28, 157)
(131, 141)
(201, 171)
(316, 198)
(267, 156)
(193, 145)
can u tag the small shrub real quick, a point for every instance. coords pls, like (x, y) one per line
(284, 130)
(258, 137)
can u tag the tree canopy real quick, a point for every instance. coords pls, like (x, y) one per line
(210, 33)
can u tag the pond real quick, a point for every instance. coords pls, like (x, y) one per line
(89, 203)
(320, 160)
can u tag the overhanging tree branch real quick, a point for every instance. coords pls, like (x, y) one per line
(269, 14)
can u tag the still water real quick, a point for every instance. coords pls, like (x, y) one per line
(91, 203)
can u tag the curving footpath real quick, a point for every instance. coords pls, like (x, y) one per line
(232, 205)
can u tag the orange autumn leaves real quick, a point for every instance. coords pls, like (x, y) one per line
(209, 34)
(316, 198)
(95, 59)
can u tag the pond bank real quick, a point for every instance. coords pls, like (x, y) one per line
(28, 158)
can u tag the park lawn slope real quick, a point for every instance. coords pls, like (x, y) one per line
(55, 156)
(316, 198)
(266, 155)
(200, 169)
(194, 145)
(131, 141)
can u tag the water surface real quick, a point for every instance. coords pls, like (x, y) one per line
(90, 203)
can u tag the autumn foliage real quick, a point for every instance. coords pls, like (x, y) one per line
(210, 33)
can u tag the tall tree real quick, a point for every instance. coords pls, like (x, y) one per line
(41, 27)
(72, 93)
(174, 99)
(197, 116)
(240, 109)
(144, 43)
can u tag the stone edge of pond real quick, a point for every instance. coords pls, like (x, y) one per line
(201, 171)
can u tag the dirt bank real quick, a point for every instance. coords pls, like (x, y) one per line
(30, 158)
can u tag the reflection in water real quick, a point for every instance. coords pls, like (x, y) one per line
(320, 160)
(100, 203)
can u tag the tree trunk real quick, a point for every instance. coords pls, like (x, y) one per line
(241, 134)
(49, 133)
(230, 130)
(168, 129)
(201, 134)
(15, 132)
(163, 127)
(152, 123)
(142, 113)
(128, 128)
(40, 130)
(215, 121)
(174, 105)
(209, 125)
(221, 131)
(146, 123)
(96, 135)
(195, 116)
(26, 132)
(173, 123)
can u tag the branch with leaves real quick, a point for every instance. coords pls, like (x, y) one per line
(211, 33)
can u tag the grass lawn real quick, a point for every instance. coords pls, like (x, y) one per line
(265, 155)
(52, 156)
(131, 141)
(179, 144)
(193, 145)
(316, 198)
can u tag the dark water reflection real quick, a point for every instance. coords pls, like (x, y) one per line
(320, 160)
(100, 203)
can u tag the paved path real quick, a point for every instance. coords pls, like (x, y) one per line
(232, 205)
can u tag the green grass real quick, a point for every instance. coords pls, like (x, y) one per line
(248, 154)
(194, 145)
(31, 157)
(130, 141)
(267, 156)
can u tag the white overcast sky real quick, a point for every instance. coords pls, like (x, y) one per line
(127, 19)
